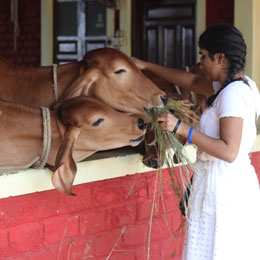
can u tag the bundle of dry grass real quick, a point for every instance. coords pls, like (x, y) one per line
(172, 155)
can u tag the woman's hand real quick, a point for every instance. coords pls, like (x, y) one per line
(167, 121)
(139, 63)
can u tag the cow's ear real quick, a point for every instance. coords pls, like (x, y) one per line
(65, 166)
(81, 85)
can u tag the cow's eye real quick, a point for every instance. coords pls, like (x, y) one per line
(100, 120)
(120, 71)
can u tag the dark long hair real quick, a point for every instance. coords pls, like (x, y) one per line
(227, 39)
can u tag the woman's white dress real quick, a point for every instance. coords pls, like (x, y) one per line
(224, 206)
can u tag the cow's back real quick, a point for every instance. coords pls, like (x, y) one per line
(34, 86)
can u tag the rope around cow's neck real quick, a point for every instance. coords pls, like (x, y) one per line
(47, 124)
(55, 82)
(46, 139)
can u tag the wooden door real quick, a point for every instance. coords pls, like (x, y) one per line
(164, 32)
(79, 26)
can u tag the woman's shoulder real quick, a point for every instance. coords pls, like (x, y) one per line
(241, 87)
(239, 94)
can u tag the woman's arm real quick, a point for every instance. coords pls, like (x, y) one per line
(225, 148)
(181, 78)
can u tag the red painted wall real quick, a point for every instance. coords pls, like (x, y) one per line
(219, 11)
(50, 225)
(28, 41)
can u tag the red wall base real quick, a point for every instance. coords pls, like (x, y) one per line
(106, 218)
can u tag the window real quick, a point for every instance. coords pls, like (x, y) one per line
(79, 26)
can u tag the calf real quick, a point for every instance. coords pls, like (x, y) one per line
(105, 73)
(80, 127)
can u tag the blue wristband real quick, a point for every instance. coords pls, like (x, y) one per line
(190, 135)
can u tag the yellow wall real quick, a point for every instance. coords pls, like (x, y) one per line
(125, 25)
(201, 21)
(110, 22)
(247, 20)
(46, 32)
(256, 42)
(243, 20)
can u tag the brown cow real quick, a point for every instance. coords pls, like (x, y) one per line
(106, 73)
(83, 125)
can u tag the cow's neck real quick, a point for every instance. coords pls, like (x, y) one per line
(21, 133)
(66, 74)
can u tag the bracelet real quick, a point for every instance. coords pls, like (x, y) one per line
(190, 135)
(176, 127)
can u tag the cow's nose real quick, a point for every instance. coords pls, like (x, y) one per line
(164, 100)
(141, 124)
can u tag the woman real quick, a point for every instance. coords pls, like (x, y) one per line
(224, 206)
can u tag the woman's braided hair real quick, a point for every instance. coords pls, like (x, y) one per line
(227, 39)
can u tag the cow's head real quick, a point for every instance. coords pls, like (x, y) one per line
(91, 126)
(111, 76)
